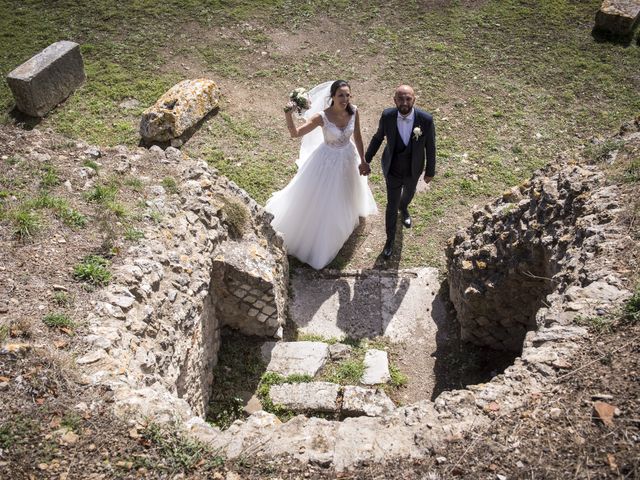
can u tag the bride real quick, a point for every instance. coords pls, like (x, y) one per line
(317, 211)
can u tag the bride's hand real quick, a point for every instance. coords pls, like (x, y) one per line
(288, 108)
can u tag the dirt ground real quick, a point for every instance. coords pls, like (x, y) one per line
(53, 425)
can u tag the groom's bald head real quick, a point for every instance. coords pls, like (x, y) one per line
(404, 98)
(404, 90)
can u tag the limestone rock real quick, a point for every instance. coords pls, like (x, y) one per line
(247, 280)
(288, 358)
(46, 79)
(372, 402)
(618, 17)
(179, 109)
(339, 351)
(306, 397)
(376, 364)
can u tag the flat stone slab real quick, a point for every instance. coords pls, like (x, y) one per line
(376, 367)
(366, 304)
(47, 78)
(372, 402)
(288, 358)
(306, 397)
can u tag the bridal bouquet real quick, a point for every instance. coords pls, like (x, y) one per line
(298, 100)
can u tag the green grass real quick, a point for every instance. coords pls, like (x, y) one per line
(133, 234)
(62, 299)
(102, 194)
(237, 373)
(58, 320)
(511, 84)
(91, 164)
(631, 310)
(236, 216)
(49, 177)
(72, 421)
(60, 208)
(346, 372)
(94, 270)
(597, 324)
(398, 379)
(180, 453)
(26, 223)
(170, 185)
(15, 429)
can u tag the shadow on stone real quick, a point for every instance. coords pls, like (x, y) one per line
(184, 138)
(458, 363)
(604, 36)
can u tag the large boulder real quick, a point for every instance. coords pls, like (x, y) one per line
(46, 79)
(179, 109)
(618, 17)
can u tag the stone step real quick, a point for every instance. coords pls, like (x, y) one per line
(376, 364)
(326, 397)
(366, 304)
(289, 358)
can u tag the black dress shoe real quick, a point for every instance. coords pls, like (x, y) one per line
(406, 218)
(388, 249)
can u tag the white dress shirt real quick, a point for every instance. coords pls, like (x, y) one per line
(405, 126)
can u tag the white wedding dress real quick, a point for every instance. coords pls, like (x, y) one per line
(322, 205)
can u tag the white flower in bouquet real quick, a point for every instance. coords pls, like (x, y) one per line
(298, 100)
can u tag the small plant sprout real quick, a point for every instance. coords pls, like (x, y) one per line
(93, 269)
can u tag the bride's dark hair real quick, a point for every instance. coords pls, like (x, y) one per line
(334, 88)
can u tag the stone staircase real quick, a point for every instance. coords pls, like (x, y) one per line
(357, 305)
(306, 359)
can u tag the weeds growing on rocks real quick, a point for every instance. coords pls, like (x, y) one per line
(94, 270)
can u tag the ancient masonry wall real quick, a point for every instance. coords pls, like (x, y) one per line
(535, 240)
(531, 263)
(156, 328)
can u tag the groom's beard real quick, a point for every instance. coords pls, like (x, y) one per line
(404, 110)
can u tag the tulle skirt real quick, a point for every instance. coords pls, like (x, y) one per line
(322, 205)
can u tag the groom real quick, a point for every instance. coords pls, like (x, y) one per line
(411, 144)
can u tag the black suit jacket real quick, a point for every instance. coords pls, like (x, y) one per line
(424, 148)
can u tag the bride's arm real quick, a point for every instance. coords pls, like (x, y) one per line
(313, 122)
(357, 137)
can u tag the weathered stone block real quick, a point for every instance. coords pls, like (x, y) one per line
(179, 109)
(46, 79)
(288, 358)
(256, 266)
(376, 367)
(372, 402)
(618, 17)
(306, 397)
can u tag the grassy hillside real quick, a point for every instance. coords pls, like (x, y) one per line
(512, 84)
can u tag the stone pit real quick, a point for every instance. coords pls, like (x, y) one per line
(532, 262)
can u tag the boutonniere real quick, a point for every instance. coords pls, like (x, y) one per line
(417, 133)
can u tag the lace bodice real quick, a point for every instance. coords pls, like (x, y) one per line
(335, 136)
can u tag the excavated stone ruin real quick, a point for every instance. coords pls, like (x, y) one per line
(532, 262)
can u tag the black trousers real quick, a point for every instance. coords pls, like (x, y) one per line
(400, 192)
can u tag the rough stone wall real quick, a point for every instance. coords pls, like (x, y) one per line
(246, 277)
(156, 331)
(584, 284)
(533, 241)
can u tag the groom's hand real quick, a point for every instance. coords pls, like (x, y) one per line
(364, 168)
(427, 179)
